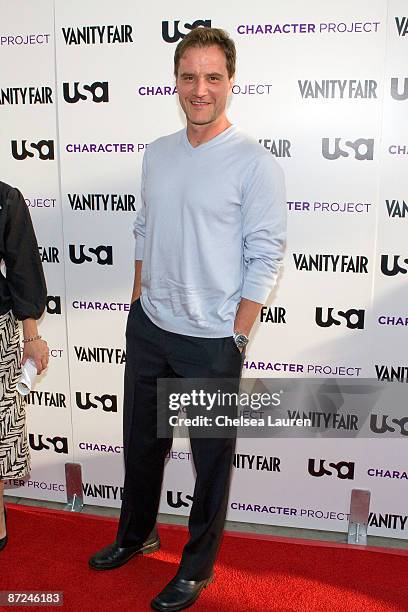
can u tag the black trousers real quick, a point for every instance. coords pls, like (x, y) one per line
(152, 353)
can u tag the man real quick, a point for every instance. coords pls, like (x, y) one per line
(209, 242)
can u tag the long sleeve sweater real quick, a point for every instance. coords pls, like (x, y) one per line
(211, 230)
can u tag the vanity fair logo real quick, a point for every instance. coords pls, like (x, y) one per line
(257, 462)
(402, 25)
(330, 89)
(100, 354)
(95, 92)
(354, 264)
(272, 314)
(49, 254)
(327, 420)
(177, 33)
(43, 150)
(395, 208)
(102, 202)
(98, 35)
(278, 148)
(388, 521)
(26, 95)
(47, 399)
(361, 149)
(103, 491)
(390, 373)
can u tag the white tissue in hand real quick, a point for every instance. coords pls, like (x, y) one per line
(27, 378)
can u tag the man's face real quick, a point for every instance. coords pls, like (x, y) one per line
(203, 84)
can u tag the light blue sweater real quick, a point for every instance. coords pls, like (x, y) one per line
(211, 230)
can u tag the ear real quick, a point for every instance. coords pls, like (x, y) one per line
(231, 83)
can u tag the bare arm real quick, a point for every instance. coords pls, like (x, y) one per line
(36, 349)
(137, 283)
(246, 316)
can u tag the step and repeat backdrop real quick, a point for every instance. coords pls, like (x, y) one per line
(84, 88)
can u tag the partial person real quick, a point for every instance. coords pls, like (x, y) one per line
(22, 298)
(210, 238)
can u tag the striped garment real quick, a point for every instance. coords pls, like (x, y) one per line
(14, 451)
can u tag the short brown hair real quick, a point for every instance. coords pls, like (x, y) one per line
(206, 37)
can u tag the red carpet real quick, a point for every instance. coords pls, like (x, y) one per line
(48, 550)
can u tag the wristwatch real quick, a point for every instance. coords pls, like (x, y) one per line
(241, 340)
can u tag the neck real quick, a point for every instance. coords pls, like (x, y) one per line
(199, 134)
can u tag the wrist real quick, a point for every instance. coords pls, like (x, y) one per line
(240, 339)
(32, 338)
(30, 328)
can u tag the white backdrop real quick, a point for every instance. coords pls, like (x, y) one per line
(324, 87)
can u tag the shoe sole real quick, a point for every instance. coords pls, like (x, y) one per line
(146, 550)
(192, 602)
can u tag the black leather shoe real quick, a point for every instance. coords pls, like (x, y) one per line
(179, 594)
(4, 540)
(113, 556)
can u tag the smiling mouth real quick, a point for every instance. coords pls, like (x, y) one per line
(198, 104)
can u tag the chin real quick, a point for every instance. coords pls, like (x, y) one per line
(201, 121)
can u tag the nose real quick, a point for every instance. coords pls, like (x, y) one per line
(200, 87)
